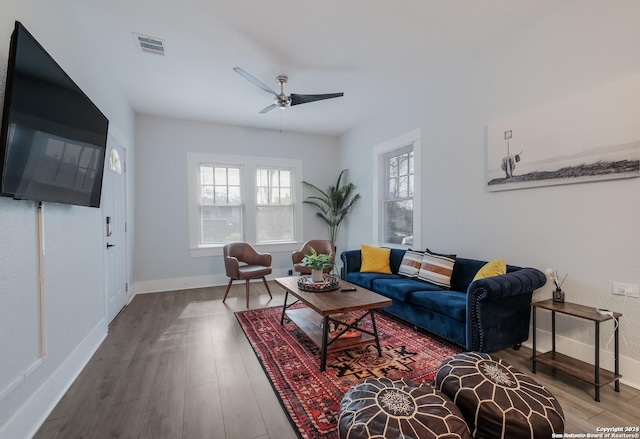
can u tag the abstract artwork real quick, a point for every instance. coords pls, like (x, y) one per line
(591, 136)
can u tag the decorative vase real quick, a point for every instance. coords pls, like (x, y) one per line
(317, 275)
(558, 295)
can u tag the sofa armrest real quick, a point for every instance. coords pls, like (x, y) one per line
(499, 309)
(522, 281)
(351, 261)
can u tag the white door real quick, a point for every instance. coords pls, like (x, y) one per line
(114, 229)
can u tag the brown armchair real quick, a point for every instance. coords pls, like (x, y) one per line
(243, 262)
(320, 246)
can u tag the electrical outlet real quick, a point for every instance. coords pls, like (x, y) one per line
(618, 289)
(290, 272)
(624, 289)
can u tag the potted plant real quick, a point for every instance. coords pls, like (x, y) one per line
(317, 262)
(334, 204)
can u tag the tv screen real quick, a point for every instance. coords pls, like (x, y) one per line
(53, 138)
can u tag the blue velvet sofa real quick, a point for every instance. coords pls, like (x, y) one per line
(486, 315)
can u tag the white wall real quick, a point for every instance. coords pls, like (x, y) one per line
(74, 283)
(162, 236)
(588, 230)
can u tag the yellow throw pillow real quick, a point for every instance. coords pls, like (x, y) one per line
(375, 259)
(492, 268)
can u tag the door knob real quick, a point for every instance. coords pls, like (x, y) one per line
(110, 245)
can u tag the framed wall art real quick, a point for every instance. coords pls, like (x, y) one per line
(591, 136)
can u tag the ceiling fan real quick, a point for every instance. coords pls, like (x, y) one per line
(283, 101)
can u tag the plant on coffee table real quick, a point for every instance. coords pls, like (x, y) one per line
(317, 262)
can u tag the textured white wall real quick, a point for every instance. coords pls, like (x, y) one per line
(588, 230)
(19, 313)
(162, 235)
(74, 285)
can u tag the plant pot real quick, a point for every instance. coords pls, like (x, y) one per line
(317, 276)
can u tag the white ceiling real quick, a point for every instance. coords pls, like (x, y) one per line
(375, 51)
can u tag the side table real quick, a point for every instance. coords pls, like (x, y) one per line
(592, 374)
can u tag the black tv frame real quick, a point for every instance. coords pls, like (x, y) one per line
(8, 110)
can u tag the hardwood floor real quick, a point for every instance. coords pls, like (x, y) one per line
(176, 365)
(582, 413)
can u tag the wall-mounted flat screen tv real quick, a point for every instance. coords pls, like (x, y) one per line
(53, 138)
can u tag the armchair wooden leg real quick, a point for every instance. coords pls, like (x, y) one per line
(247, 288)
(264, 279)
(227, 291)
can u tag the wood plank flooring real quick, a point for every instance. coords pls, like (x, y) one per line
(177, 365)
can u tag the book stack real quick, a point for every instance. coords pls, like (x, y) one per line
(336, 328)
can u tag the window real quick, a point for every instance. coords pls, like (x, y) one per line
(240, 198)
(220, 204)
(397, 202)
(274, 216)
(397, 192)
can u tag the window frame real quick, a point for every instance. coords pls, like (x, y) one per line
(201, 206)
(290, 205)
(249, 166)
(386, 197)
(380, 154)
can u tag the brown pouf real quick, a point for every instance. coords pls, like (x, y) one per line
(386, 408)
(497, 400)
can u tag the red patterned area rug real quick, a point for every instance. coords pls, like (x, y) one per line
(312, 398)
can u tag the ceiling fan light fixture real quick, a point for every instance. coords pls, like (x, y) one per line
(282, 101)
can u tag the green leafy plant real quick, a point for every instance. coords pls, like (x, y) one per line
(316, 261)
(334, 204)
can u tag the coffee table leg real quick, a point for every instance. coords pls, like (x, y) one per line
(375, 332)
(325, 337)
(284, 307)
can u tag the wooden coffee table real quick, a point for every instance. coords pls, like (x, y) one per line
(314, 319)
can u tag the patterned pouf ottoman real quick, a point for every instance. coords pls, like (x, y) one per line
(386, 408)
(497, 400)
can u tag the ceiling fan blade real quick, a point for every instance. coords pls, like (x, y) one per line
(267, 109)
(254, 80)
(303, 99)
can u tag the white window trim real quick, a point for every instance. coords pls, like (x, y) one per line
(410, 138)
(250, 165)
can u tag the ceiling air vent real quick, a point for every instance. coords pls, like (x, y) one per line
(149, 44)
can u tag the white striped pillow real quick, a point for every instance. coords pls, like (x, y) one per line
(411, 262)
(437, 269)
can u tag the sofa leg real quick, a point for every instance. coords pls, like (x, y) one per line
(516, 347)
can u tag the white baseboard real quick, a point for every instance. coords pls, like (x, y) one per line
(185, 283)
(629, 367)
(28, 419)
